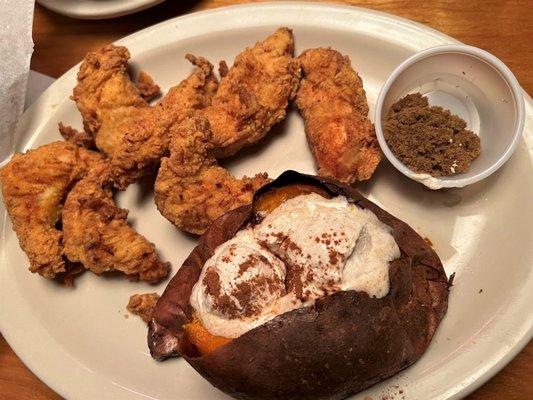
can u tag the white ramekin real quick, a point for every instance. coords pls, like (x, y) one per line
(471, 83)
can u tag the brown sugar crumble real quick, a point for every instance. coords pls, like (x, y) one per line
(429, 139)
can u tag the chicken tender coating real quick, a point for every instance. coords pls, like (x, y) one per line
(253, 95)
(133, 134)
(191, 189)
(106, 97)
(143, 305)
(333, 104)
(147, 87)
(146, 137)
(34, 186)
(80, 139)
(97, 234)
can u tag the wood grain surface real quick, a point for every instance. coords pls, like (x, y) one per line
(502, 27)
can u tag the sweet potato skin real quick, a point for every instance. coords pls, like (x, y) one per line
(341, 345)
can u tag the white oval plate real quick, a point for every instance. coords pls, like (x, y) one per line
(97, 9)
(78, 340)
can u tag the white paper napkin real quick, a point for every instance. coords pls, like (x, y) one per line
(16, 48)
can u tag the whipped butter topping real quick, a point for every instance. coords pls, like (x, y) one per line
(314, 236)
(241, 281)
(306, 248)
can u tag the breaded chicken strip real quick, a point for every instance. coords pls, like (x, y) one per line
(333, 104)
(96, 234)
(132, 134)
(191, 189)
(81, 139)
(146, 138)
(34, 186)
(106, 97)
(253, 95)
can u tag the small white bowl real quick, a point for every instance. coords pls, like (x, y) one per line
(472, 84)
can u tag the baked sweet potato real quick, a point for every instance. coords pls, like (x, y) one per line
(342, 344)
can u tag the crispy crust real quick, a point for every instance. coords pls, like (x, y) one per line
(97, 234)
(341, 345)
(254, 93)
(143, 305)
(332, 102)
(34, 186)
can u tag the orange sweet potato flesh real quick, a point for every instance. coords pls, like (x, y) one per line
(268, 201)
(200, 337)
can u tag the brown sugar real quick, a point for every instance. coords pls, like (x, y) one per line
(429, 139)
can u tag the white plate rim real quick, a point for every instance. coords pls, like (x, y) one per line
(52, 376)
(96, 10)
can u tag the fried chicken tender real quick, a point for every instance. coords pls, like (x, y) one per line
(133, 134)
(96, 234)
(253, 95)
(106, 97)
(333, 104)
(34, 186)
(146, 138)
(147, 87)
(191, 189)
(143, 305)
(81, 139)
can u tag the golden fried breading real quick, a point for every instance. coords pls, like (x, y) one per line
(95, 232)
(191, 189)
(253, 95)
(333, 104)
(147, 87)
(133, 134)
(143, 305)
(106, 97)
(81, 139)
(146, 138)
(34, 186)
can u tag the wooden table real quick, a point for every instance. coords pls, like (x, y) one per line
(504, 28)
